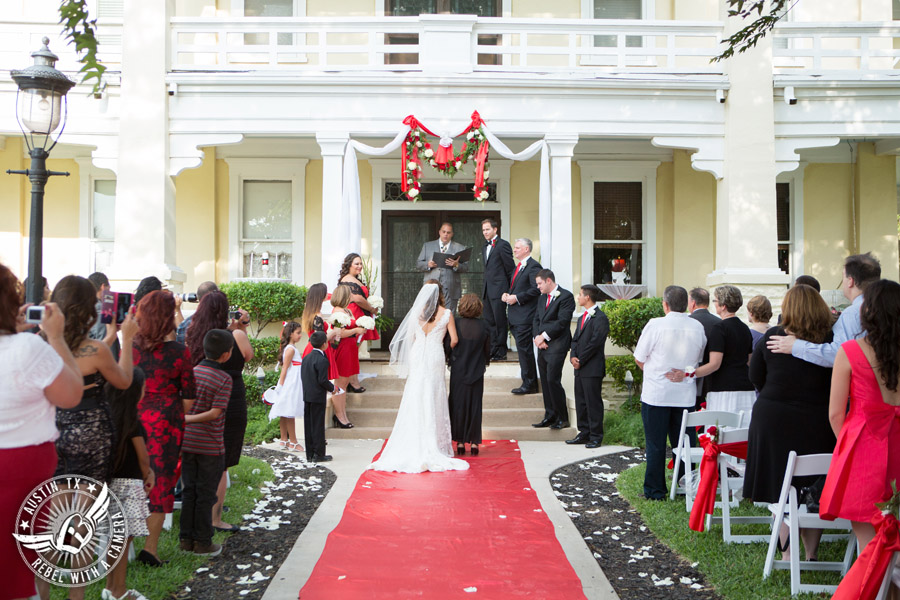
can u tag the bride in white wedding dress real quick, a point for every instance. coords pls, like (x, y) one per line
(420, 440)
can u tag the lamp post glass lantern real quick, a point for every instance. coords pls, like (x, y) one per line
(41, 109)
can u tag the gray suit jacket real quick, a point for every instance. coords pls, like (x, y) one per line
(450, 282)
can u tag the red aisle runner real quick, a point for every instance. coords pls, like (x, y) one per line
(435, 535)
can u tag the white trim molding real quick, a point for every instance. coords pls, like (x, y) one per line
(643, 171)
(708, 152)
(795, 179)
(88, 173)
(267, 169)
(787, 150)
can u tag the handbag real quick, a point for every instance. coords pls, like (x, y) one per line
(811, 495)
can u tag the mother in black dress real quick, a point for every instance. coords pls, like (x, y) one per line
(792, 410)
(468, 362)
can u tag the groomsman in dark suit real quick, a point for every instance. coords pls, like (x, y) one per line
(498, 269)
(553, 338)
(589, 360)
(314, 378)
(522, 301)
(698, 308)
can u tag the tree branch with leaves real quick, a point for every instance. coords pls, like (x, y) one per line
(81, 31)
(765, 19)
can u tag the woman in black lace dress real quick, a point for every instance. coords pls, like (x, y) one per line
(468, 362)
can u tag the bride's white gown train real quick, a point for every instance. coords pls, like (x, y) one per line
(420, 440)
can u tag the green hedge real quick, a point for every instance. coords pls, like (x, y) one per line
(265, 354)
(266, 301)
(254, 391)
(616, 367)
(259, 428)
(627, 319)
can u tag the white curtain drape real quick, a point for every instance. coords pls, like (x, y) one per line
(348, 216)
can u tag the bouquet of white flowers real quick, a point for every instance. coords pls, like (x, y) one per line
(339, 320)
(366, 322)
(376, 302)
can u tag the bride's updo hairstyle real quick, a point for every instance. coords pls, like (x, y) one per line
(440, 301)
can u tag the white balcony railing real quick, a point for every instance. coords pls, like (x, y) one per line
(853, 49)
(19, 38)
(458, 43)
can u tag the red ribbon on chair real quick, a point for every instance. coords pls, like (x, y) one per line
(864, 578)
(705, 500)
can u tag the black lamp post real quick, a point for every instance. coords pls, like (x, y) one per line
(40, 110)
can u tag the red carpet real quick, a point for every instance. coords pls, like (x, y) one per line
(433, 535)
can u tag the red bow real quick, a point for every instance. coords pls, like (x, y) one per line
(705, 500)
(864, 578)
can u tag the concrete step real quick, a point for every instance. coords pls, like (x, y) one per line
(391, 399)
(529, 433)
(384, 383)
(491, 417)
(383, 368)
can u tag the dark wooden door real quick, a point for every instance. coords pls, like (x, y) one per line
(403, 233)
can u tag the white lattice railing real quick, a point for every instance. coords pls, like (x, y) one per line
(834, 48)
(429, 42)
(19, 38)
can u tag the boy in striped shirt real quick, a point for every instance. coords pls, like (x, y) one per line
(203, 449)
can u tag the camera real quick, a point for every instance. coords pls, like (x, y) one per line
(234, 315)
(189, 297)
(34, 314)
(114, 305)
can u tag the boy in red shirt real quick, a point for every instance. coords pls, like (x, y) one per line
(203, 449)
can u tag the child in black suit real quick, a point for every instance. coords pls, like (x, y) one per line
(314, 377)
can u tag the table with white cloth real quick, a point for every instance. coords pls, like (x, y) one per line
(622, 291)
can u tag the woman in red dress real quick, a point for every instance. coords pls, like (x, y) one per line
(867, 456)
(313, 320)
(346, 356)
(169, 393)
(359, 304)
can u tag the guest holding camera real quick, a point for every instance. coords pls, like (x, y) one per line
(468, 362)
(35, 379)
(202, 290)
(212, 313)
(170, 391)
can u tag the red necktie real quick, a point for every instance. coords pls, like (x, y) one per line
(548, 302)
(513, 282)
(583, 319)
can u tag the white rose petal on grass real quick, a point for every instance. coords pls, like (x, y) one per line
(642, 574)
(202, 570)
(696, 586)
(245, 592)
(211, 576)
(340, 577)
(470, 589)
(242, 567)
(686, 580)
(666, 581)
(502, 516)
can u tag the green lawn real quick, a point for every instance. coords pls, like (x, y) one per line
(159, 583)
(735, 570)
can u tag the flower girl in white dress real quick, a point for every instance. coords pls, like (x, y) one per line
(289, 394)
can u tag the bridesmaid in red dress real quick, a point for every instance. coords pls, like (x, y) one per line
(346, 356)
(867, 456)
(359, 304)
(314, 320)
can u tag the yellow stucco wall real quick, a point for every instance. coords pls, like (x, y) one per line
(523, 199)
(365, 199)
(876, 193)
(221, 218)
(12, 199)
(344, 8)
(65, 252)
(576, 226)
(693, 222)
(564, 9)
(665, 233)
(312, 256)
(195, 236)
(826, 221)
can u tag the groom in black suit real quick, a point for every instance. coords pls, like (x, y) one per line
(589, 361)
(522, 301)
(553, 337)
(498, 269)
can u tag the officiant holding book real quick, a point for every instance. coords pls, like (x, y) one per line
(448, 272)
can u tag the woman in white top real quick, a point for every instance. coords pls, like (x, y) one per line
(35, 379)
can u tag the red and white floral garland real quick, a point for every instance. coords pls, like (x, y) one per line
(418, 150)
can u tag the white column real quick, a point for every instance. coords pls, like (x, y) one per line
(560, 252)
(746, 228)
(332, 146)
(145, 193)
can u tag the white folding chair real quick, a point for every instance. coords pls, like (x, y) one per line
(789, 512)
(685, 454)
(729, 488)
(886, 582)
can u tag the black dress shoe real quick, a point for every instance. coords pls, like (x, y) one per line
(594, 444)
(149, 560)
(560, 425)
(498, 357)
(545, 423)
(525, 390)
(232, 529)
(578, 439)
(355, 390)
(325, 458)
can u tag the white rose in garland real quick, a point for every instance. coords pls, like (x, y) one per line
(366, 322)
(483, 195)
(376, 302)
(412, 193)
(412, 166)
(429, 153)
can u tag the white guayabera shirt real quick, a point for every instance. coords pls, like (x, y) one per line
(670, 342)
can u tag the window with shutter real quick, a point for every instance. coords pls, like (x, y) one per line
(266, 218)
